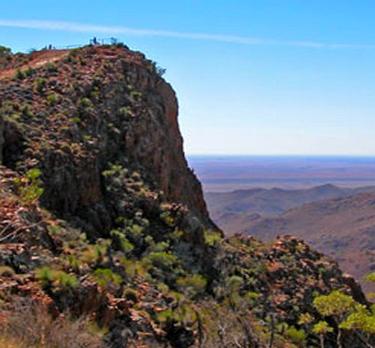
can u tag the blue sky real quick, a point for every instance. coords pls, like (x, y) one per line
(252, 77)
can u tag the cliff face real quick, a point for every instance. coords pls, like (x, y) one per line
(105, 240)
(116, 110)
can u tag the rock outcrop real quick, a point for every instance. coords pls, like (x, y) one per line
(118, 110)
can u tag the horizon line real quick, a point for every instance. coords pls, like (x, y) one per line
(277, 155)
(77, 27)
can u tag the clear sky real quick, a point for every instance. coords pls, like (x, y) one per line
(252, 76)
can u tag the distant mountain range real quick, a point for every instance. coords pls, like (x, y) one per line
(232, 211)
(339, 222)
(230, 173)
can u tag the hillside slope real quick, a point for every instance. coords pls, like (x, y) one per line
(105, 240)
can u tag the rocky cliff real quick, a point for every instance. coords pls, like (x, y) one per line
(105, 240)
(76, 116)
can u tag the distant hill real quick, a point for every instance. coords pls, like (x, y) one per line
(343, 228)
(339, 222)
(235, 211)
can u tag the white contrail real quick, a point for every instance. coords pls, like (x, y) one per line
(113, 30)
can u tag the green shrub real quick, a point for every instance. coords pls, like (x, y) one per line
(105, 277)
(251, 297)
(54, 230)
(66, 280)
(96, 253)
(27, 112)
(19, 75)
(183, 314)
(136, 95)
(85, 103)
(165, 316)
(361, 319)
(156, 247)
(296, 336)
(73, 263)
(131, 295)
(134, 235)
(40, 84)
(52, 99)
(56, 278)
(212, 238)
(193, 285)
(45, 276)
(134, 268)
(322, 328)
(234, 283)
(75, 120)
(120, 239)
(29, 71)
(51, 68)
(336, 304)
(125, 112)
(167, 218)
(88, 138)
(305, 319)
(30, 186)
(162, 260)
(370, 277)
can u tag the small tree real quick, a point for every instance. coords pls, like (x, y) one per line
(336, 305)
(362, 322)
(321, 329)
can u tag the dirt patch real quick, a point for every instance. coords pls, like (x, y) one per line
(38, 59)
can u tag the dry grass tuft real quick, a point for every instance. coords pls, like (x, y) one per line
(31, 326)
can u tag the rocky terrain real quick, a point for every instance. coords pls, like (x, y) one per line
(105, 239)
